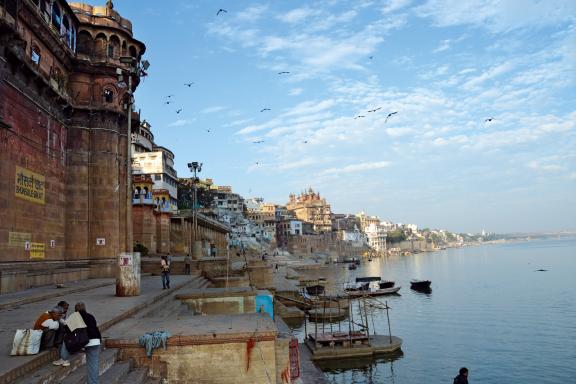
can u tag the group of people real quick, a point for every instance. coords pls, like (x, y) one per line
(54, 325)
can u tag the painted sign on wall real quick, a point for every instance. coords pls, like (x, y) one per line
(30, 185)
(37, 251)
(17, 239)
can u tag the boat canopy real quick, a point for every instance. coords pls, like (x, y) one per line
(368, 278)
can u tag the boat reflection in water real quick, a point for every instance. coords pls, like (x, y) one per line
(361, 370)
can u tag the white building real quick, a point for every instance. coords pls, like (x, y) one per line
(376, 235)
(156, 161)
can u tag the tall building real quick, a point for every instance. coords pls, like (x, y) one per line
(311, 208)
(149, 159)
(64, 199)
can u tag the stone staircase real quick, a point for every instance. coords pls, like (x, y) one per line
(112, 370)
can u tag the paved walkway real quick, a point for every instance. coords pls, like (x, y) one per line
(100, 299)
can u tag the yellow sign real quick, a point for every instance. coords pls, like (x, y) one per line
(30, 185)
(17, 239)
(37, 251)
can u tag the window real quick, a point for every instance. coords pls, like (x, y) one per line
(157, 177)
(110, 50)
(11, 7)
(56, 16)
(108, 95)
(35, 55)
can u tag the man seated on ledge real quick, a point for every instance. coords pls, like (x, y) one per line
(49, 324)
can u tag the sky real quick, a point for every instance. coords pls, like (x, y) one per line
(483, 134)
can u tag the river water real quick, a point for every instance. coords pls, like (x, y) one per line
(489, 310)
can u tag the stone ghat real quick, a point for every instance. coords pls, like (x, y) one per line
(243, 348)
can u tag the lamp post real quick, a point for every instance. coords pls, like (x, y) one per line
(194, 168)
(128, 274)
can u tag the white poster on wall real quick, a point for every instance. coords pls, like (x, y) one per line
(101, 241)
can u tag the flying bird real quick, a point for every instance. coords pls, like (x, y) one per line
(208, 130)
(283, 73)
(305, 141)
(258, 142)
(221, 11)
(179, 110)
(189, 84)
(541, 270)
(489, 119)
(370, 57)
(167, 102)
(169, 96)
(376, 109)
(359, 117)
(265, 109)
(390, 115)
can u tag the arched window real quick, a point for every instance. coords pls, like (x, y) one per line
(113, 46)
(100, 44)
(56, 16)
(108, 95)
(35, 54)
(124, 48)
(133, 52)
(85, 43)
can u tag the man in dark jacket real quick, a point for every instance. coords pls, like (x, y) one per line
(462, 378)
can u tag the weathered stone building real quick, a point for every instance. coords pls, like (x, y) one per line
(63, 140)
(311, 208)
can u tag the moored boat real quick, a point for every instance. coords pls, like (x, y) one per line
(315, 290)
(420, 284)
(376, 292)
(386, 284)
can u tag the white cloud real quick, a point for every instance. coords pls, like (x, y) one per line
(394, 5)
(252, 14)
(357, 168)
(489, 74)
(214, 109)
(498, 15)
(295, 91)
(298, 15)
(541, 167)
(181, 122)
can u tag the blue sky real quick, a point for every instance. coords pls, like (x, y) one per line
(444, 65)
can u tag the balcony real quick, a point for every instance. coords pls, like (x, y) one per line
(143, 200)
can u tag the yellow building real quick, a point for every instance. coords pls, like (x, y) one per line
(310, 207)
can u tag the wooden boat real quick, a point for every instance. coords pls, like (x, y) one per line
(386, 284)
(376, 292)
(315, 289)
(327, 314)
(368, 279)
(420, 284)
(358, 286)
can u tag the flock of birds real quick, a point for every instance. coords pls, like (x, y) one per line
(169, 99)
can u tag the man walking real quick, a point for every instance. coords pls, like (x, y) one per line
(462, 378)
(187, 263)
(165, 266)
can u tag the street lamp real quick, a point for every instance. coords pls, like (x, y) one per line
(125, 284)
(195, 167)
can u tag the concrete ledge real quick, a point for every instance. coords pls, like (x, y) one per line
(216, 292)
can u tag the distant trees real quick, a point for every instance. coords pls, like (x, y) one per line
(396, 236)
(186, 193)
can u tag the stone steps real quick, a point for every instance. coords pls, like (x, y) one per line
(138, 375)
(55, 374)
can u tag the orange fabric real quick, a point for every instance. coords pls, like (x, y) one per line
(249, 346)
(43, 317)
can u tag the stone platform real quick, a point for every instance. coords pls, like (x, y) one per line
(21, 311)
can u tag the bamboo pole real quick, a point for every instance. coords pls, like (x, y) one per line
(388, 317)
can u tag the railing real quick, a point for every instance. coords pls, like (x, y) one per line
(143, 200)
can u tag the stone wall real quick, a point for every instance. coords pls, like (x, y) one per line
(223, 363)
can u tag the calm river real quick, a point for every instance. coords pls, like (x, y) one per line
(489, 310)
